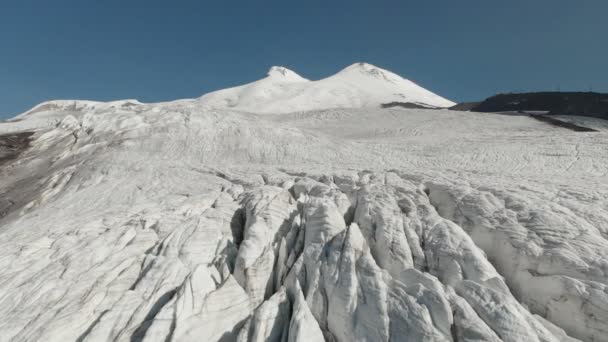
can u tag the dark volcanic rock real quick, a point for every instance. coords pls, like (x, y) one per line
(465, 106)
(11, 145)
(559, 123)
(412, 105)
(562, 103)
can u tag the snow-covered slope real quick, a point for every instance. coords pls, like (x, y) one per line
(359, 85)
(49, 114)
(176, 222)
(78, 106)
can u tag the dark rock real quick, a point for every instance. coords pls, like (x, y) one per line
(553, 103)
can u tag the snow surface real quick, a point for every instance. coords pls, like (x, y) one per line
(585, 121)
(177, 222)
(359, 85)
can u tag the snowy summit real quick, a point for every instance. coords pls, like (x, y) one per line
(282, 73)
(295, 210)
(359, 85)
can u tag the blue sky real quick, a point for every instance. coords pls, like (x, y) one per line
(162, 50)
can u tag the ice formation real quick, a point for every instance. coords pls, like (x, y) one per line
(205, 220)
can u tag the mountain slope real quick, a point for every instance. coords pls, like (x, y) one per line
(172, 222)
(553, 103)
(357, 86)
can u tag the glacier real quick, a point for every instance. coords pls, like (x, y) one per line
(297, 210)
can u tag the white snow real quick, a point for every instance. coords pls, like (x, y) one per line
(359, 85)
(197, 220)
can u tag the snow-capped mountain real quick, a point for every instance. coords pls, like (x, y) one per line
(360, 85)
(209, 220)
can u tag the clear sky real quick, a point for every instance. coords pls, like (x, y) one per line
(156, 50)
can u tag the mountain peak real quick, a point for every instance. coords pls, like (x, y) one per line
(357, 86)
(361, 65)
(283, 73)
(367, 69)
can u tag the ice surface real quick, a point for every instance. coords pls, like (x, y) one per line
(183, 222)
